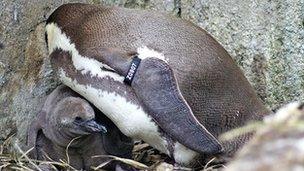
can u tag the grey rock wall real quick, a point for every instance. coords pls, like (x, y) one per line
(265, 37)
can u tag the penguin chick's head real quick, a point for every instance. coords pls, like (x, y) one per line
(76, 116)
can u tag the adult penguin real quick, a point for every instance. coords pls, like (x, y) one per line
(206, 80)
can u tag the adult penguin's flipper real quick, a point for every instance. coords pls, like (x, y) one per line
(157, 87)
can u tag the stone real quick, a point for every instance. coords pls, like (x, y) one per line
(266, 38)
(278, 144)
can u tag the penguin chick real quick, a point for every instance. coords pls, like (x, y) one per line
(68, 120)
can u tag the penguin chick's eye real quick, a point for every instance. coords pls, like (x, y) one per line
(78, 119)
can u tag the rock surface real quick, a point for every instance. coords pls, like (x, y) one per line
(266, 38)
(278, 144)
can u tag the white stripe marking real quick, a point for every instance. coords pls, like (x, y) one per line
(145, 52)
(58, 39)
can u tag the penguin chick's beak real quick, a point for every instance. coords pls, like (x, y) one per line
(92, 126)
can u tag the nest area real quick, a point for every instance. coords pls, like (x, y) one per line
(12, 157)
